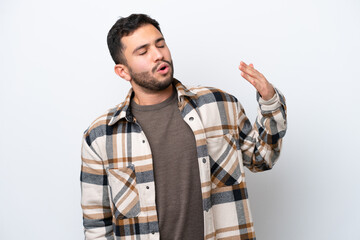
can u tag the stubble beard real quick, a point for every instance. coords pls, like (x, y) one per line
(149, 83)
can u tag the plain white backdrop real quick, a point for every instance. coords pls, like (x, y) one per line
(56, 77)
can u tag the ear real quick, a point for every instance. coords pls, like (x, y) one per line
(122, 71)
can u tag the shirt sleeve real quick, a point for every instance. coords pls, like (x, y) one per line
(261, 143)
(95, 204)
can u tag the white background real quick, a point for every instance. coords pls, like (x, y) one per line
(57, 76)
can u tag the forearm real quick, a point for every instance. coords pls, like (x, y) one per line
(261, 143)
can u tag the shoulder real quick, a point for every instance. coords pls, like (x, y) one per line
(100, 125)
(211, 94)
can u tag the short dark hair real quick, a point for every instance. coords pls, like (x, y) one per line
(124, 27)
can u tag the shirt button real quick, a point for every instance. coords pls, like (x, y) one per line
(152, 232)
(191, 118)
(147, 187)
(204, 160)
(143, 141)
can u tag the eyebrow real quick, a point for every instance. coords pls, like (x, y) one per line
(145, 45)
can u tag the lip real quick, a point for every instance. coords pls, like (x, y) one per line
(163, 65)
(165, 70)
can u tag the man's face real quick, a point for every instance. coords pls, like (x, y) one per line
(148, 58)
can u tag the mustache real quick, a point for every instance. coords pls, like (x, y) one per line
(153, 70)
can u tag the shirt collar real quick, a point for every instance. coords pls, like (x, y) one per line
(124, 109)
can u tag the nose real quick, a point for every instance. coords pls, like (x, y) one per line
(157, 54)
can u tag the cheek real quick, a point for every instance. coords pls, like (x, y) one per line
(167, 54)
(140, 66)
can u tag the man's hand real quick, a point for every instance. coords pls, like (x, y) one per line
(258, 80)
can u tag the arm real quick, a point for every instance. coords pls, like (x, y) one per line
(261, 143)
(97, 216)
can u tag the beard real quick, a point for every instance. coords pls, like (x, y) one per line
(149, 82)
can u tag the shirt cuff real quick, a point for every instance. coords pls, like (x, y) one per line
(269, 105)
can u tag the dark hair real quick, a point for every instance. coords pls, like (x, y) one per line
(124, 27)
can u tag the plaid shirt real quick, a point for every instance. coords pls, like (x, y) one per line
(117, 178)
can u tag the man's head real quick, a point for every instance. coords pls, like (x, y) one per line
(124, 27)
(141, 55)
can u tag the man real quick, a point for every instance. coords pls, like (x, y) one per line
(167, 163)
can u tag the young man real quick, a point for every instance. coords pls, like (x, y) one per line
(167, 163)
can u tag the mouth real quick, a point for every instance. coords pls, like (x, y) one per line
(163, 68)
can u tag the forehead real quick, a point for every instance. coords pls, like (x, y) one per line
(145, 34)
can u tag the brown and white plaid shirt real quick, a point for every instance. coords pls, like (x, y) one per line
(117, 178)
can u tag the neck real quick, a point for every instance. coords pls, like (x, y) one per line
(143, 97)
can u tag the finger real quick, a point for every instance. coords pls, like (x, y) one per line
(249, 70)
(251, 65)
(249, 79)
(244, 67)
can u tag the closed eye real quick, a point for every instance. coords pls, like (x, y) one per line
(160, 43)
